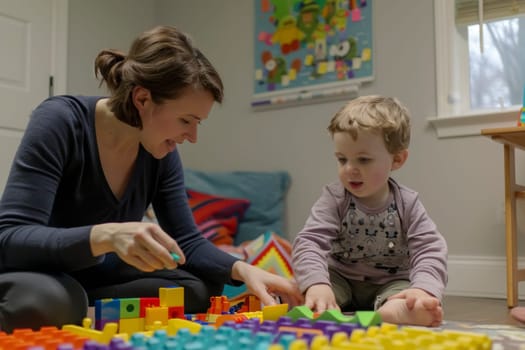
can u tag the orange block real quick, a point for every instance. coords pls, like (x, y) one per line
(237, 318)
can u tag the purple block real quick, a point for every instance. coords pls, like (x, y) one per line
(230, 324)
(322, 325)
(90, 345)
(331, 330)
(99, 324)
(303, 323)
(285, 321)
(307, 337)
(349, 327)
(66, 346)
(269, 328)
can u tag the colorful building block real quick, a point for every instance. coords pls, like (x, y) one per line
(274, 312)
(131, 325)
(129, 307)
(147, 302)
(171, 296)
(300, 312)
(272, 328)
(176, 312)
(107, 309)
(156, 314)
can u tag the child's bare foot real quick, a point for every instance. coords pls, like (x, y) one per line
(518, 313)
(426, 312)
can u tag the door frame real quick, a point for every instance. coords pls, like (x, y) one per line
(59, 38)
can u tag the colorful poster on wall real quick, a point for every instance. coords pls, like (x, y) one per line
(306, 48)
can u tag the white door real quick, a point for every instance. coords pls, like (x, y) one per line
(28, 53)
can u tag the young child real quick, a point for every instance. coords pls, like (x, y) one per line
(368, 242)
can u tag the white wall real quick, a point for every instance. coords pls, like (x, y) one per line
(98, 24)
(460, 180)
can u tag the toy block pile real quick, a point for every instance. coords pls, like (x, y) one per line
(139, 314)
(160, 324)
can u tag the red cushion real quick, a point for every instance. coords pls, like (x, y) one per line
(217, 217)
(206, 206)
(219, 231)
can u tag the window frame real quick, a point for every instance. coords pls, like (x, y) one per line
(452, 60)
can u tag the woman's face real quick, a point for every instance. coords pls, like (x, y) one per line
(173, 121)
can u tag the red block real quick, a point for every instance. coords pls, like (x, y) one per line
(147, 302)
(176, 312)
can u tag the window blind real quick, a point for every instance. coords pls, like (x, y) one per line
(467, 10)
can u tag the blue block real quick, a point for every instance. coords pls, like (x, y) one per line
(107, 309)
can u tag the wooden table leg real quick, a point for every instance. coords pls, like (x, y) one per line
(510, 226)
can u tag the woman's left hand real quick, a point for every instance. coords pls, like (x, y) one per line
(266, 285)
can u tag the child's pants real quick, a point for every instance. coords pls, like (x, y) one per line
(352, 295)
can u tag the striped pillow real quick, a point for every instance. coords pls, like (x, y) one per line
(219, 231)
(217, 217)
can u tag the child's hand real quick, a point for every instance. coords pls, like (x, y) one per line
(320, 298)
(412, 295)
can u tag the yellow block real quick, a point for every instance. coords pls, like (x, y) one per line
(175, 324)
(104, 336)
(273, 312)
(131, 325)
(171, 296)
(157, 313)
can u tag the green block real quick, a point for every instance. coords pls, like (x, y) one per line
(129, 307)
(335, 315)
(300, 312)
(368, 318)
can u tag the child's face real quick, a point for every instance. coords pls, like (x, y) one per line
(365, 165)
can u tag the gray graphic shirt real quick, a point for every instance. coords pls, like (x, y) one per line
(398, 241)
(372, 237)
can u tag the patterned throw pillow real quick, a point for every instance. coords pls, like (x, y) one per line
(266, 192)
(219, 231)
(217, 217)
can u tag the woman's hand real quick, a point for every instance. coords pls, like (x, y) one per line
(266, 285)
(143, 245)
(320, 298)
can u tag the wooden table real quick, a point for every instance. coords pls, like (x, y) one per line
(511, 138)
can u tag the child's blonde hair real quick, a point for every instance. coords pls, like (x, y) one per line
(384, 115)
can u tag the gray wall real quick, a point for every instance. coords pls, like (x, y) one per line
(98, 24)
(460, 180)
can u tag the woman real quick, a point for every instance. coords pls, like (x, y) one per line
(84, 173)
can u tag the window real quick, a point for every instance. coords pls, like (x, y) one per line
(480, 65)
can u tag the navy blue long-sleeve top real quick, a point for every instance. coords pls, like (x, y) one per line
(56, 192)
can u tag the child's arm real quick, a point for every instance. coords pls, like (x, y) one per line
(312, 245)
(428, 253)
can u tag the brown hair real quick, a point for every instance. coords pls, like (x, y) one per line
(384, 115)
(162, 60)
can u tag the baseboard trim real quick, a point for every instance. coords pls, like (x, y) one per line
(479, 276)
